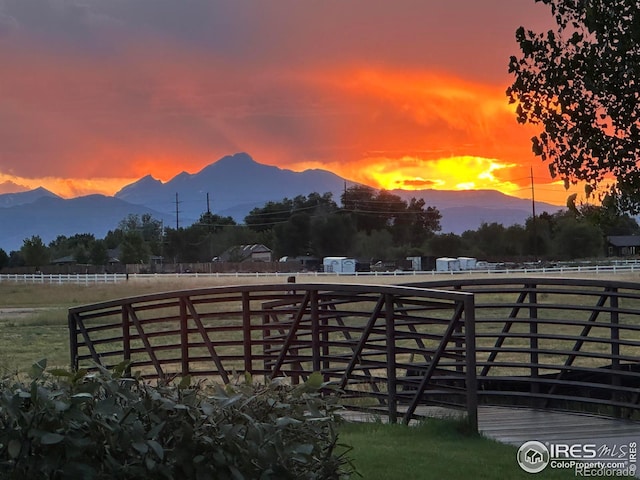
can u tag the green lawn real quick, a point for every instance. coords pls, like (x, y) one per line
(436, 449)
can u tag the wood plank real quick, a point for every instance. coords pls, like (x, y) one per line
(516, 426)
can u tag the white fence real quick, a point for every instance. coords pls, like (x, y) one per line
(74, 278)
(88, 279)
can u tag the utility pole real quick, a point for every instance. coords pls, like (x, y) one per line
(208, 207)
(161, 242)
(533, 210)
(177, 213)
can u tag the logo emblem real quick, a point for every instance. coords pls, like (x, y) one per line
(533, 456)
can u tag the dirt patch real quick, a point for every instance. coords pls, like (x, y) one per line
(6, 312)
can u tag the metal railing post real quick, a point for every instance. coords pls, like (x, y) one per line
(126, 338)
(533, 338)
(73, 341)
(184, 338)
(315, 331)
(471, 374)
(246, 333)
(391, 358)
(615, 350)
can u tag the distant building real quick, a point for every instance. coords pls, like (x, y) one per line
(156, 260)
(422, 263)
(246, 253)
(304, 262)
(113, 255)
(623, 245)
(339, 265)
(446, 264)
(66, 260)
(467, 263)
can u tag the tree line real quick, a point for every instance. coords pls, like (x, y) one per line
(369, 224)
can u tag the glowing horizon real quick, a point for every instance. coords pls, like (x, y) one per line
(377, 177)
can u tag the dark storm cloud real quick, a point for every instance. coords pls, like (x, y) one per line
(464, 36)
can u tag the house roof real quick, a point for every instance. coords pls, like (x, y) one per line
(114, 255)
(624, 240)
(243, 252)
(255, 248)
(65, 259)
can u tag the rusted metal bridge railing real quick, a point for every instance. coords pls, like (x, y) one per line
(391, 349)
(560, 343)
(569, 344)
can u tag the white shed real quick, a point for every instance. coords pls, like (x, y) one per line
(447, 264)
(339, 265)
(467, 263)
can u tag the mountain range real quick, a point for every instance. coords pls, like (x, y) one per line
(232, 186)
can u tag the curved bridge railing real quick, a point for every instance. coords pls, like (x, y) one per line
(568, 344)
(556, 343)
(391, 349)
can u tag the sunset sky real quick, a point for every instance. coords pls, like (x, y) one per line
(95, 94)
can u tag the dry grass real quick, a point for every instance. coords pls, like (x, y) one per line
(33, 317)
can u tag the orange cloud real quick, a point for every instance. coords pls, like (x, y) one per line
(431, 130)
(66, 187)
(82, 124)
(9, 186)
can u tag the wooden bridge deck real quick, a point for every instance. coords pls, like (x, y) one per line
(518, 425)
(515, 426)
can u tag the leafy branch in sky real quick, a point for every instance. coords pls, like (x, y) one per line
(579, 84)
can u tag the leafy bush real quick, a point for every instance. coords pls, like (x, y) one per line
(102, 425)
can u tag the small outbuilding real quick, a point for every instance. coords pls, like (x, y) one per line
(446, 264)
(623, 245)
(339, 265)
(66, 260)
(467, 263)
(247, 253)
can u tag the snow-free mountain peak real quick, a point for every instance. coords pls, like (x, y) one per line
(148, 181)
(235, 184)
(8, 200)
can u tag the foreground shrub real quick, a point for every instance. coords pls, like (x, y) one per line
(101, 425)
